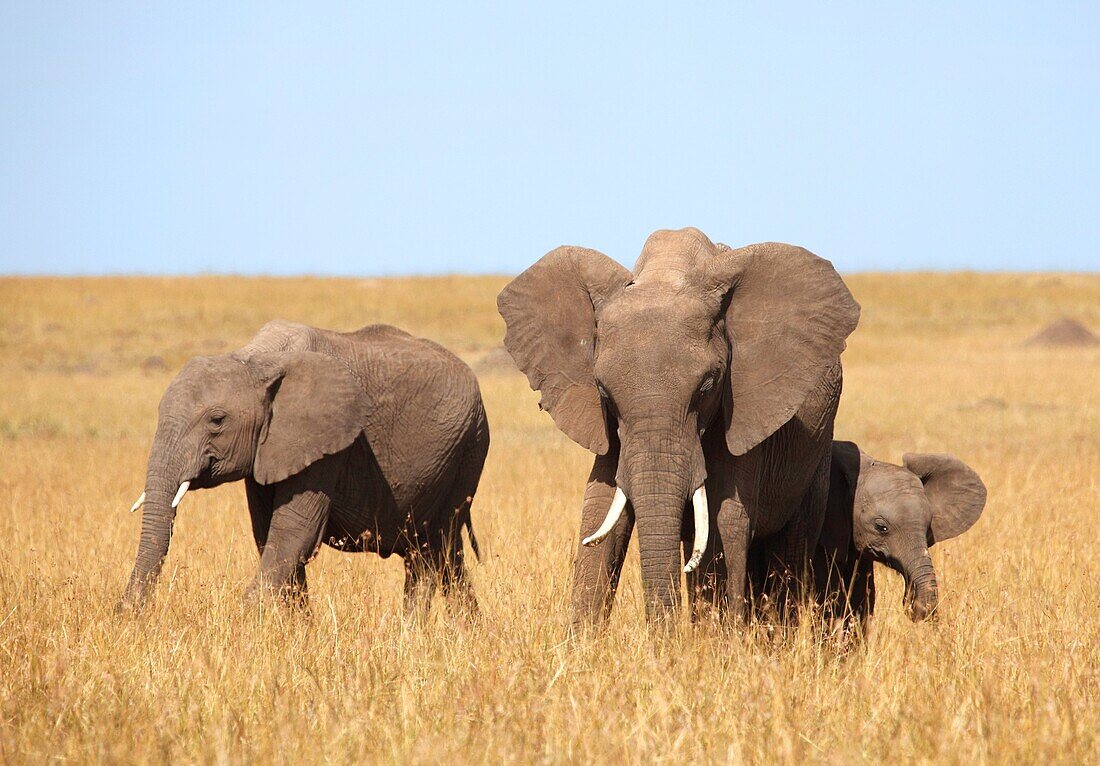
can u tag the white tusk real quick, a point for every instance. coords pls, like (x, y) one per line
(702, 528)
(138, 503)
(618, 503)
(180, 493)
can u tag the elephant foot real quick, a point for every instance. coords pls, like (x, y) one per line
(462, 603)
(582, 630)
(260, 592)
(129, 605)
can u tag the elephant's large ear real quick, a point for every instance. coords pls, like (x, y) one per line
(787, 319)
(550, 311)
(317, 408)
(954, 489)
(836, 533)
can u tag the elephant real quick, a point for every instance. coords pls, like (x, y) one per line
(708, 373)
(890, 514)
(372, 440)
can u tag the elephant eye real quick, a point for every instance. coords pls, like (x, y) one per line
(217, 418)
(880, 527)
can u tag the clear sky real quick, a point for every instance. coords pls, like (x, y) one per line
(470, 137)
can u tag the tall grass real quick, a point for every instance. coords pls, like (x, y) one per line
(1010, 672)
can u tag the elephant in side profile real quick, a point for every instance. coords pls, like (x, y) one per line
(709, 374)
(891, 514)
(372, 440)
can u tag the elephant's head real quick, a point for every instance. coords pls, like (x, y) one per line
(699, 336)
(224, 418)
(899, 512)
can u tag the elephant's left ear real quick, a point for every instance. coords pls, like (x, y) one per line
(788, 316)
(954, 489)
(317, 408)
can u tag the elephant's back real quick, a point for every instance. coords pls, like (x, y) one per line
(374, 343)
(425, 406)
(401, 358)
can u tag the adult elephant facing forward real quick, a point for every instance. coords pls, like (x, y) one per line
(707, 367)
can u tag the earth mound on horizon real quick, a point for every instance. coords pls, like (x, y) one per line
(1066, 332)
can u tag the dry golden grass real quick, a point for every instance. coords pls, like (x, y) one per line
(1009, 673)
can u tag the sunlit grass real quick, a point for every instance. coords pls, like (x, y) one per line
(1010, 672)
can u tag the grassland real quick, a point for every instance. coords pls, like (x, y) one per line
(1010, 673)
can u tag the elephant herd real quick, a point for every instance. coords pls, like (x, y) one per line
(705, 382)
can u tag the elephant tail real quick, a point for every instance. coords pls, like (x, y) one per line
(475, 462)
(473, 539)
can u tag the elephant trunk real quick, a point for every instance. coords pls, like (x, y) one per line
(659, 489)
(921, 589)
(162, 487)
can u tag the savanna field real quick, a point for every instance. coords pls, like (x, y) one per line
(1008, 673)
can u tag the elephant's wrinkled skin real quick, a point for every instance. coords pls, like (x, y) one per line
(891, 514)
(706, 366)
(371, 440)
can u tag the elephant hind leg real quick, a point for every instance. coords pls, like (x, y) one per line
(439, 565)
(438, 559)
(454, 516)
(421, 581)
(785, 575)
(455, 580)
(758, 601)
(790, 552)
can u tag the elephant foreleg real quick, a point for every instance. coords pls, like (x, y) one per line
(298, 593)
(722, 579)
(862, 596)
(706, 585)
(732, 524)
(596, 570)
(846, 593)
(260, 508)
(297, 522)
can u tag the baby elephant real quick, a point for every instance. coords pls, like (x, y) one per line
(890, 514)
(370, 440)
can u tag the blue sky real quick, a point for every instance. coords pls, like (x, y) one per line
(470, 137)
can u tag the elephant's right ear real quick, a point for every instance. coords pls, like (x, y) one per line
(550, 311)
(836, 533)
(954, 489)
(317, 408)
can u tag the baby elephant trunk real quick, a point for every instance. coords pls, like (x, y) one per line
(157, 520)
(922, 593)
(163, 492)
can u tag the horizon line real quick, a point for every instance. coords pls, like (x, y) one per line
(494, 274)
